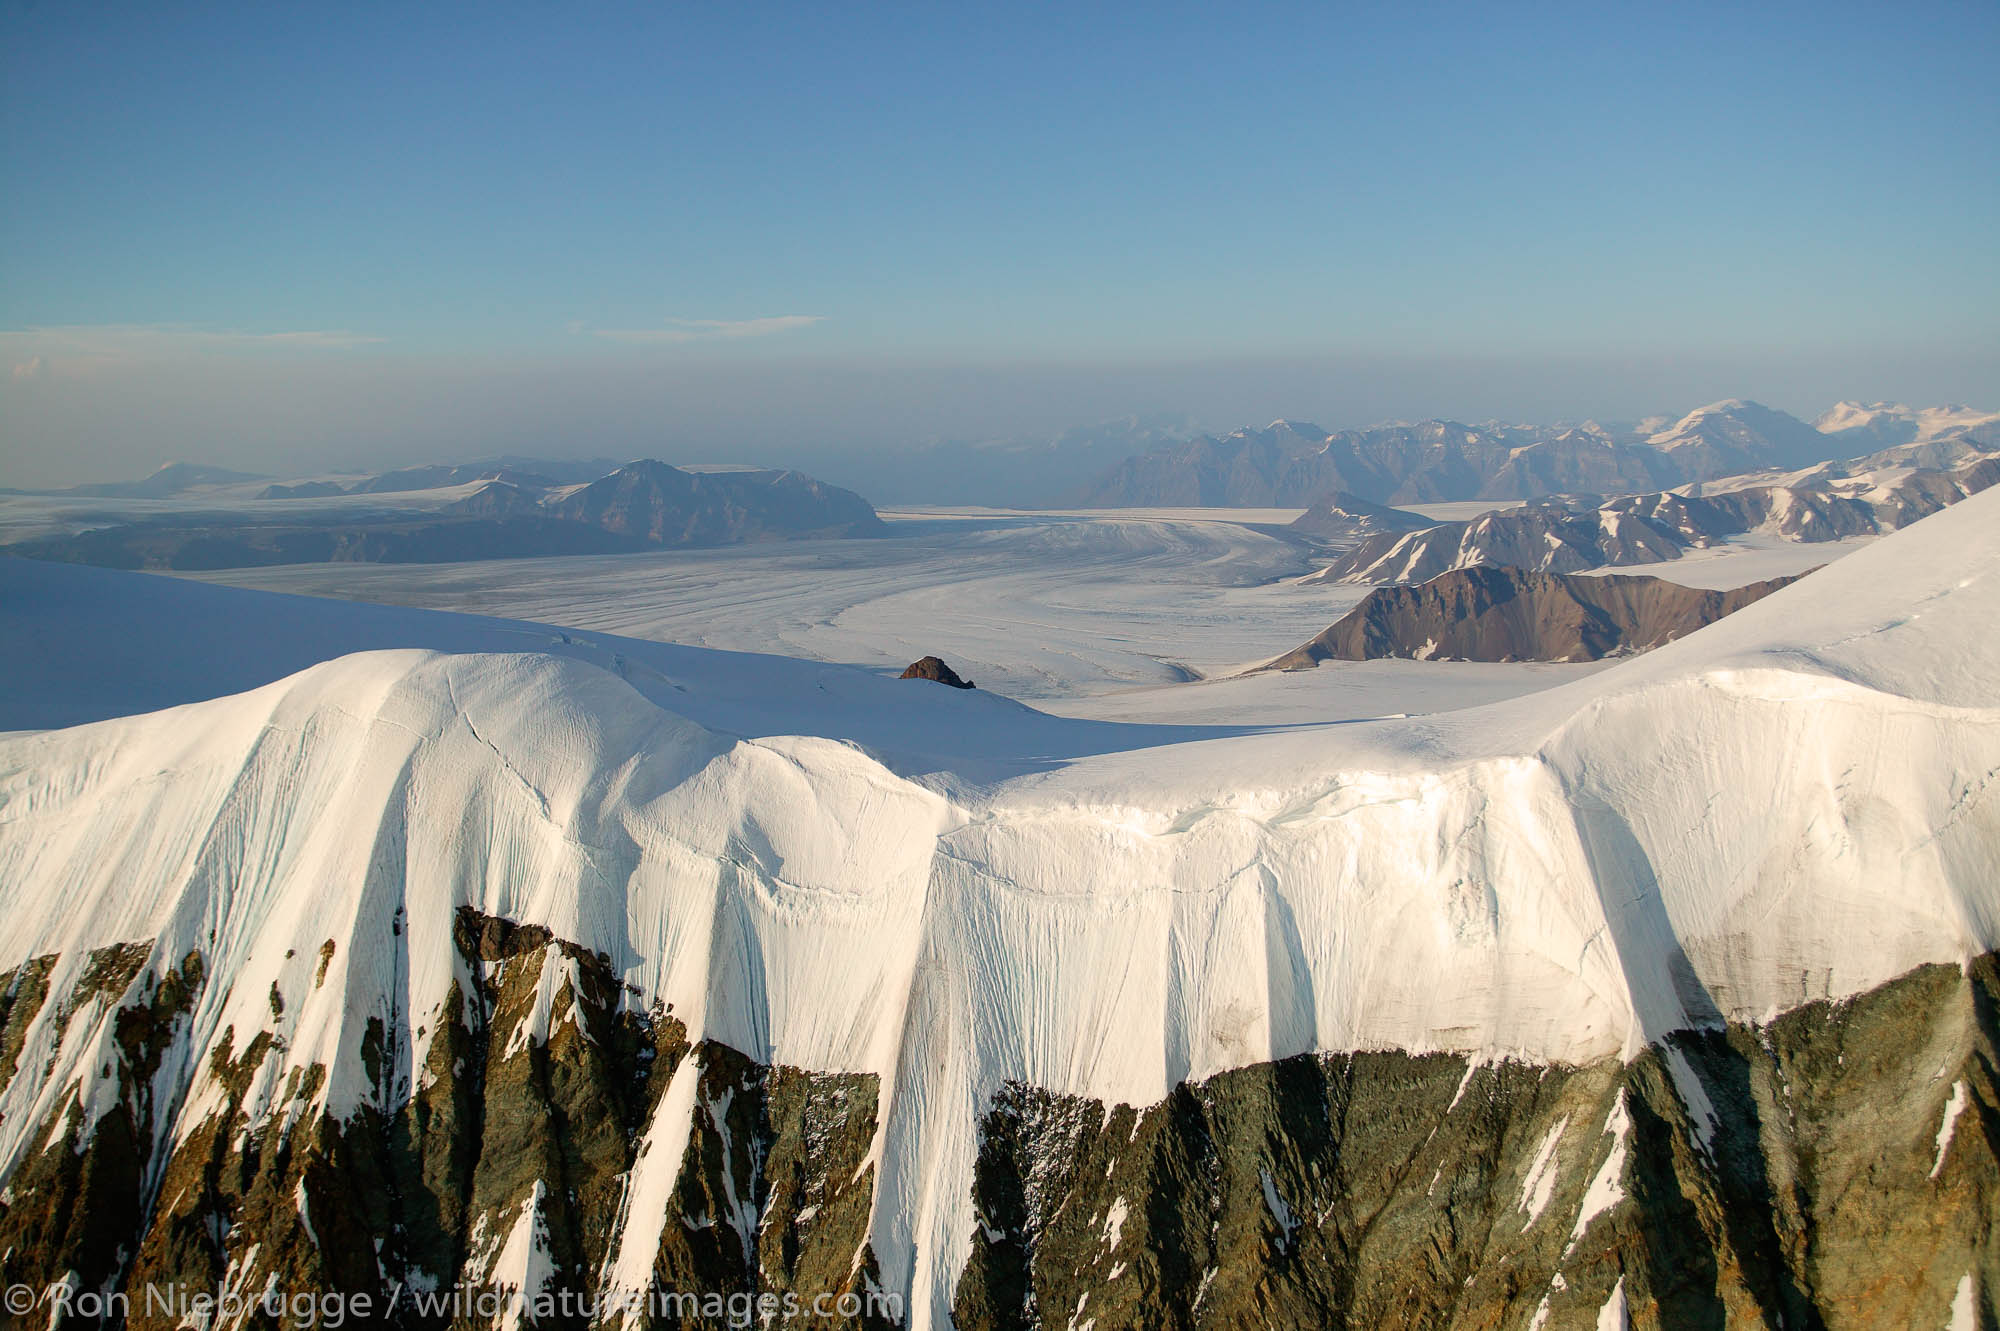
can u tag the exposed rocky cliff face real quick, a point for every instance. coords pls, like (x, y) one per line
(559, 1137)
(1696, 1186)
(1837, 1166)
(1495, 613)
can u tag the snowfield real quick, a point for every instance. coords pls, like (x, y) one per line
(823, 867)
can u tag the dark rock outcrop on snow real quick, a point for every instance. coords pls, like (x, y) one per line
(934, 668)
(1488, 613)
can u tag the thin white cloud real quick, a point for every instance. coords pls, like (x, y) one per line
(710, 330)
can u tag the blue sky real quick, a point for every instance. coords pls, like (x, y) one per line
(278, 198)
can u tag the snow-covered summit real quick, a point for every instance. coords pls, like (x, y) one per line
(1736, 435)
(1887, 424)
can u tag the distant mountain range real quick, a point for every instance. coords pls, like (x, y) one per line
(1292, 464)
(1888, 424)
(1569, 534)
(1166, 461)
(173, 479)
(529, 473)
(516, 513)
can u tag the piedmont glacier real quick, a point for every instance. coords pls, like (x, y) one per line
(634, 998)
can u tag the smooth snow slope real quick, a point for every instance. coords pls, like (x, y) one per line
(1797, 802)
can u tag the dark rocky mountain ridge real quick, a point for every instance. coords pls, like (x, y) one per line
(1495, 613)
(658, 504)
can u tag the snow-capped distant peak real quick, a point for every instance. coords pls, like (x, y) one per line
(1847, 415)
(1729, 406)
(1893, 423)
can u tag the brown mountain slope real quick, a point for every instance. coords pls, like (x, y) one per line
(1490, 613)
(662, 505)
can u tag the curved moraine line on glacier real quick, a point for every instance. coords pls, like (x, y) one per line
(567, 977)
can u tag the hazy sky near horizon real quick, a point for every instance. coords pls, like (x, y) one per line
(289, 237)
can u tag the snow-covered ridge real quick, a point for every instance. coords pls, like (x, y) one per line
(1798, 802)
(1893, 423)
